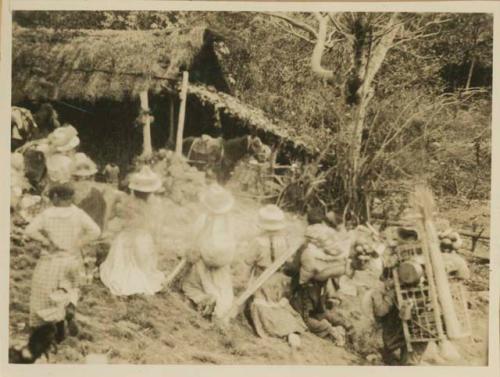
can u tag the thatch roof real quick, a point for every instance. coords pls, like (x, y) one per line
(118, 64)
(252, 118)
(91, 64)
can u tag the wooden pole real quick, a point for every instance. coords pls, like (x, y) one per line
(263, 277)
(425, 206)
(182, 114)
(146, 130)
(171, 131)
(174, 274)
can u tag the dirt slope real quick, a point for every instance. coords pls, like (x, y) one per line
(165, 328)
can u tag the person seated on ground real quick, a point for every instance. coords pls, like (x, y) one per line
(87, 196)
(269, 310)
(314, 294)
(131, 265)
(63, 229)
(209, 282)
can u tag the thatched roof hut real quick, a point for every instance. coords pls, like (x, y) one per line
(114, 64)
(106, 69)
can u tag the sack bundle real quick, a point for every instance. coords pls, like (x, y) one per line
(326, 254)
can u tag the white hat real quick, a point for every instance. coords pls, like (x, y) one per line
(271, 217)
(83, 165)
(217, 199)
(64, 138)
(145, 180)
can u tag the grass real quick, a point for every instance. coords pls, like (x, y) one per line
(165, 329)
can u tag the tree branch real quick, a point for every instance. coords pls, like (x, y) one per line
(319, 49)
(295, 22)
(293, 32)
(340, 28)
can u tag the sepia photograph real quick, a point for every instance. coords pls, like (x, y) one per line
(215, 187)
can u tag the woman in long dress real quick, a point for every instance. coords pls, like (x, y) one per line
(209, 283)
(131, 265)
(270, 311)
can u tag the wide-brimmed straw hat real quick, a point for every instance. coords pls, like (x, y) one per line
(145, 180)
(64, 139)
(83, 166)
(217, 199)
(271, 217)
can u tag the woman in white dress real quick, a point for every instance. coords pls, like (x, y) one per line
(209, 283)
(131, 265)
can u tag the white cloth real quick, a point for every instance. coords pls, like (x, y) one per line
(59, 168)
(215, 239)
(131, 265)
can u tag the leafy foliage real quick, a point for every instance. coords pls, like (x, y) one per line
(420, 124)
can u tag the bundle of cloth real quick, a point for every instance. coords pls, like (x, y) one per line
(326, 253)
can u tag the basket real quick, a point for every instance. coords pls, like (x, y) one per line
(422, 326)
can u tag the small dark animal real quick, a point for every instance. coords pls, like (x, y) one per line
(40, 342)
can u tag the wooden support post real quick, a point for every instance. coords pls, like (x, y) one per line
(430, 242)
(171, 130)
(182, 114)
(147, 148)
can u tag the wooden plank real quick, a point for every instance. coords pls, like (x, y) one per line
(182, 114)
(263, 277)
(399, 296)
(174, 274)
(171, 131)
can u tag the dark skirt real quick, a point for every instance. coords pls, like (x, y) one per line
(95, 206)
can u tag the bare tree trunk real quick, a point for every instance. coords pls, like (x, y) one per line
(370, 64)
(471, 70)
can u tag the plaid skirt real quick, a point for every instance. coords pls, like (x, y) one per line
(52, 272)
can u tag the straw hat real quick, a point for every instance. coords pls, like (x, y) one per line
(271, 217)
(83, 165)
(217, 199)
(145, 180)
(64, 138)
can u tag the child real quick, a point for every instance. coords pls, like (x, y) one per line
(269, 310)
(63, 229)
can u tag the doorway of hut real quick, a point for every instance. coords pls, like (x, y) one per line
(109, 133)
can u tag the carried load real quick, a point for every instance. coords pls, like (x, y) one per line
(436, 301)
(326, 253)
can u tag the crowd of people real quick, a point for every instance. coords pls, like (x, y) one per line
(302, 294)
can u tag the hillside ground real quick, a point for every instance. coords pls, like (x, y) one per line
(165, 329)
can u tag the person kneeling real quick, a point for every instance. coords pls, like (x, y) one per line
(269, 310)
